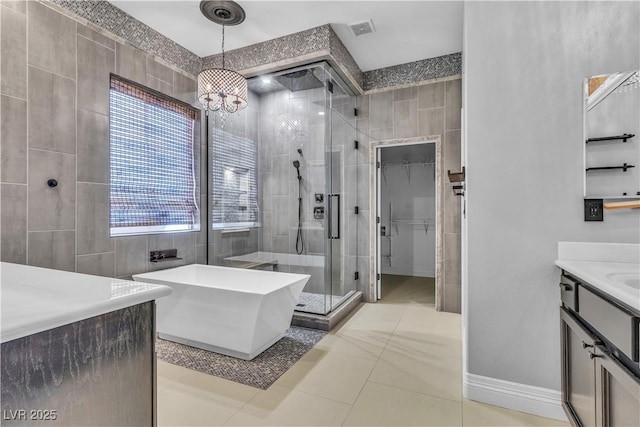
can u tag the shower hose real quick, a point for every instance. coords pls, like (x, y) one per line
(299, 240)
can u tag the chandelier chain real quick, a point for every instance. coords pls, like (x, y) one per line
(223, 46)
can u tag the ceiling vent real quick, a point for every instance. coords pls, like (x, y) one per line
(361, 28)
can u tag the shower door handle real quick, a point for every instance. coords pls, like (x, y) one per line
(334, 216)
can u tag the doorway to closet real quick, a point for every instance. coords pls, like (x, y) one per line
(406, 210)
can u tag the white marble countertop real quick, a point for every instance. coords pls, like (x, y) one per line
(612, 268)
(34, 299)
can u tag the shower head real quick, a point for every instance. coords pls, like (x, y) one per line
(296, 164)
(299, 80)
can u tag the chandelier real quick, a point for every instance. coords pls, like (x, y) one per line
(220, 89)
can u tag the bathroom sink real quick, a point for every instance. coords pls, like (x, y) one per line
(631, 280)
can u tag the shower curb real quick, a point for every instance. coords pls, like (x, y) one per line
(329, 321)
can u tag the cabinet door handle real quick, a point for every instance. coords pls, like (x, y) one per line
(593, 355)
(585, 345)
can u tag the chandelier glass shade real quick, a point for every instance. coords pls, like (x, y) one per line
(222, 90)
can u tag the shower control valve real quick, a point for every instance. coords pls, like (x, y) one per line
(319, 197)
(318, 212)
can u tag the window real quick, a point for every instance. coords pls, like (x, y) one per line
(152, 188)
(234, 182)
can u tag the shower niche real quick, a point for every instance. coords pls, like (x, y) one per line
(283, 188)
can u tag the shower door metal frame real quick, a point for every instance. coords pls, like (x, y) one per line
(337, 197)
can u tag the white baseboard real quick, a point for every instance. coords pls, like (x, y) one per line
(539, 401)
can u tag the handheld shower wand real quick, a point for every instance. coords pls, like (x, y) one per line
(299, 240)
(296, 164)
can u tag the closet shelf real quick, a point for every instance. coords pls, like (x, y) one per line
(408, 163)
(424, 222)
(412, 221)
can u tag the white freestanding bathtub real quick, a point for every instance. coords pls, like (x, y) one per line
(232, 311)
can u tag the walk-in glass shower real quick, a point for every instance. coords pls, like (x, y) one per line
(283, 183)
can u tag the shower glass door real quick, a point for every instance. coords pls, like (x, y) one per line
(342, 185)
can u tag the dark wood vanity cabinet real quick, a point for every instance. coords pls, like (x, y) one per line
(617, 393)
(578, 372)
(600, 382)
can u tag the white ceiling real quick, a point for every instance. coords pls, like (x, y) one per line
(406, 31)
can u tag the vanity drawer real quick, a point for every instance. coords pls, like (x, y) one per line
(569, 293)
(618, 326)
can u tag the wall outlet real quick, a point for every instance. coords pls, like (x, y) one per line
(593, 210)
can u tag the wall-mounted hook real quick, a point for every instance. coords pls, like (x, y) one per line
(52, 183)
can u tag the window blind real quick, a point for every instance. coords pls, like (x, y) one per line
(152, 186)
(234, 181)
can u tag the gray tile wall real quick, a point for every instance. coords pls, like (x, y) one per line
(13, 128)
(54, 124)
(13, 45)
(423, 110)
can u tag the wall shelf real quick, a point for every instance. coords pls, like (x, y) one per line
(624, 167)
(623, 137)
(456, 176)
(631, 204)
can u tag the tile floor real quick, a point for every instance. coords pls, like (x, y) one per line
(393, 363)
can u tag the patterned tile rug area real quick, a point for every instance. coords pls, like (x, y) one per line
(260, 372)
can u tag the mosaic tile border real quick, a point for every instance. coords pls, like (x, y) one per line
(282, 48)
(290, 49)
(414, 84)
(260, 372)
(413, 72)
(344, 59)
(307, 46)
(314, 44)
(114, 20)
